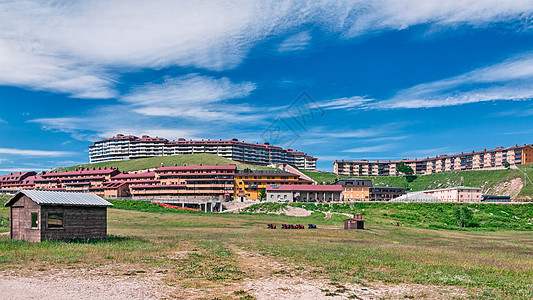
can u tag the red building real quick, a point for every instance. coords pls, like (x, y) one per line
(13, 182)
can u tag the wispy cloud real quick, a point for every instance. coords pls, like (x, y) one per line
(189, 96)
(515, 113)
(508, 80)
(295, 42)
(80, 47)
(344, 103)
(15, 169)
(24, 152)
(368, 149)
(385, 131)
(427, 152)
(103, 123)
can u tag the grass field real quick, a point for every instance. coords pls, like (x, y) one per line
(484, 179)
(487, 217)
(211, 253)
(155, 162)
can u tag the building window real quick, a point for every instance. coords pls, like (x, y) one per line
(34, 220)
(55, 220)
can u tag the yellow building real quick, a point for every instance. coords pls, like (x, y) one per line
(248, 183)
(355, 189)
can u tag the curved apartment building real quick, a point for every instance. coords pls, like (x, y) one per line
(122, 147)
(493, 158)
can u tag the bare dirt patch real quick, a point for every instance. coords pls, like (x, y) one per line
(300, 288)
(266, 278)
(508, 188)
(296, 212)
(110, 282)
(235, 207)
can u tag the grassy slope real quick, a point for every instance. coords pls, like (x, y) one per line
(486, 264)
(154, 162)
(484, 179)
(487, 217)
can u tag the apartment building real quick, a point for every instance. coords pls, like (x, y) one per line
(356, 189)
(249, 183)
(80, 180)
(130, 147)
(13, 182)
(456, 194)
(201, 182)
(493, 158)
(385, 193)
(191, 182)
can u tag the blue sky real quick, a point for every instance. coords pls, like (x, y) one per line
(335, 79)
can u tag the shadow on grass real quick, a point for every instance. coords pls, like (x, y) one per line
(111, 238)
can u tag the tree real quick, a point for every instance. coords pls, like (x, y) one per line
(262, 194)
(507, 165)
(464, 216)
(405, 169)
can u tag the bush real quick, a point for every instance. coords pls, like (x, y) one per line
(464, 216)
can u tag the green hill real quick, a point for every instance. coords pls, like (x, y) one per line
(489, 217)
(491, 181)
(155, 162)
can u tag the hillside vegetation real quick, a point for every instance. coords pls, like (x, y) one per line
(491, 181)
(486, 217)
(155, 162)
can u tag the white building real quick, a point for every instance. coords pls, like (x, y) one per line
(122, 147)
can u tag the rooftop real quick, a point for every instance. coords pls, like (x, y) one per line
(264, 172)
(61, 198)
(200, 167)
(497, 149)
(304, 188)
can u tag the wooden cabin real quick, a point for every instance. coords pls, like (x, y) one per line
(356, 222)
(50, 215)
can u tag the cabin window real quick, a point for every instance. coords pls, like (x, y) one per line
(55, 220)
(34, 220)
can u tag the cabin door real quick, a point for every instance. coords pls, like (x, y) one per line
(15, 222)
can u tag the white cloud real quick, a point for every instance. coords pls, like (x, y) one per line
(104, 123)
(344, 103)
(15, 170)
(377, 148)
(295, 42)
(401, 14)
(376, 133)
(509, 80)
(75, 47)
(24, 152)
(422, 153)
(190, 96)
(171, 134)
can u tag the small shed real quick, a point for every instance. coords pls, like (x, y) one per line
(356, 222)
(49, 215)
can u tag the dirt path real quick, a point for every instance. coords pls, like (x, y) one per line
(266, 278)
(94, 283)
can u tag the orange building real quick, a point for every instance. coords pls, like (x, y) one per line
(355, 189)
(197, 182)
(248, 183)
